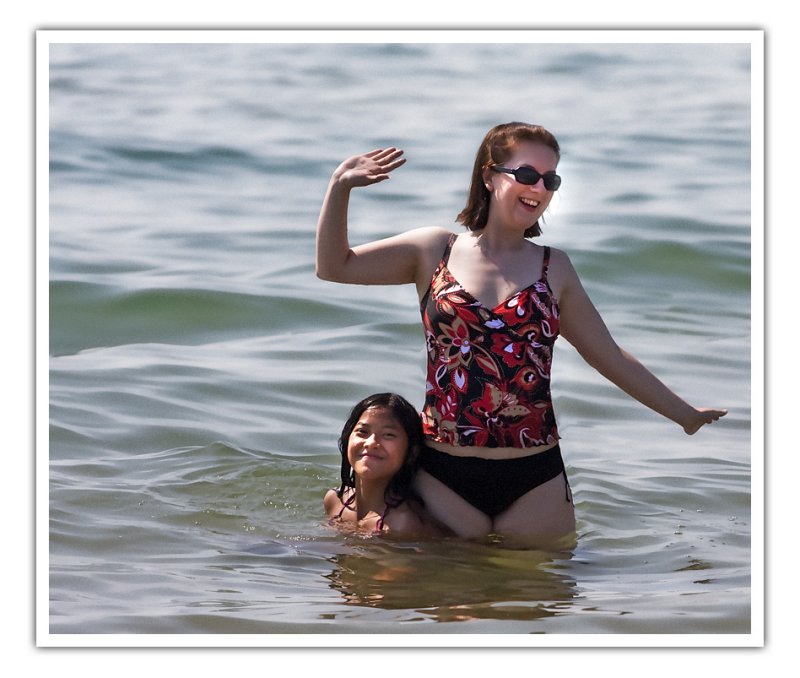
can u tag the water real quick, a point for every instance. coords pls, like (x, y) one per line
(200, 373)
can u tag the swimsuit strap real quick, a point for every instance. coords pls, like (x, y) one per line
(446, 255)
(347, 503)
(545, 262)
(443, 263)
(379, 526)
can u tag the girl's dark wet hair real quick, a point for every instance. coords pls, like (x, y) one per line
(399, 487)
(498, 146)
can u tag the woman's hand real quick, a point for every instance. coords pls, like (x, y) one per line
(700, 417)
(369, 168)
(396, 260)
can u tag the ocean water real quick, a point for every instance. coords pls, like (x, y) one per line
(199, 372)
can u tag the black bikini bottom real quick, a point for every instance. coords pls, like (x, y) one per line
(493, 485)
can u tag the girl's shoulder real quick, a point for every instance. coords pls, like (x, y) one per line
(332, 503)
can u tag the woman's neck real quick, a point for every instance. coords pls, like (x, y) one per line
(495, 238)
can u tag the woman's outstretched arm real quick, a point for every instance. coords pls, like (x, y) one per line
(583, 327)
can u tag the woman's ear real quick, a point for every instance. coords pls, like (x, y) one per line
(487, 178)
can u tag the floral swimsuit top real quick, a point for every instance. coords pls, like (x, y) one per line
(488, 381)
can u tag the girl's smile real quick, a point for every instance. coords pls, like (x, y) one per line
(378, 445)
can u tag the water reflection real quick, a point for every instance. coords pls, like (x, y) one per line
(455, 581)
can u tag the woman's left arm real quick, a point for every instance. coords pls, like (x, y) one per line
(583, 327)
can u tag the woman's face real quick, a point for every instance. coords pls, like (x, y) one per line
(520, 204)
(378, 445)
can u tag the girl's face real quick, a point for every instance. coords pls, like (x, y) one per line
(378, 445)
(516, 203)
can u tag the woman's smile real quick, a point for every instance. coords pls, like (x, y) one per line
(533, 204)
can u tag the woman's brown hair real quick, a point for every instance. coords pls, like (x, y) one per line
(498, 145)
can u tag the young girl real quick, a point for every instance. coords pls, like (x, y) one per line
(380, 445)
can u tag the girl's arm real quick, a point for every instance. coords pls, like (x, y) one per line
(583, 327)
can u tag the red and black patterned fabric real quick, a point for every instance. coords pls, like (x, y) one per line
(488, 376)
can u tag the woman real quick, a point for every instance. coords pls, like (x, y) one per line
(492, 303)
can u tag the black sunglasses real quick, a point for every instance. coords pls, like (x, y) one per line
(529, 177)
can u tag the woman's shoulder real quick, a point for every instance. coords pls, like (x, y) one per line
(429, 244)
(430, 236)
(556, 254)
(560, 262)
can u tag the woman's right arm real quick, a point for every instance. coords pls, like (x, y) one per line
(583, 327)
(394, 260)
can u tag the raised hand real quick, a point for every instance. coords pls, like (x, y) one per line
(369, 168)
